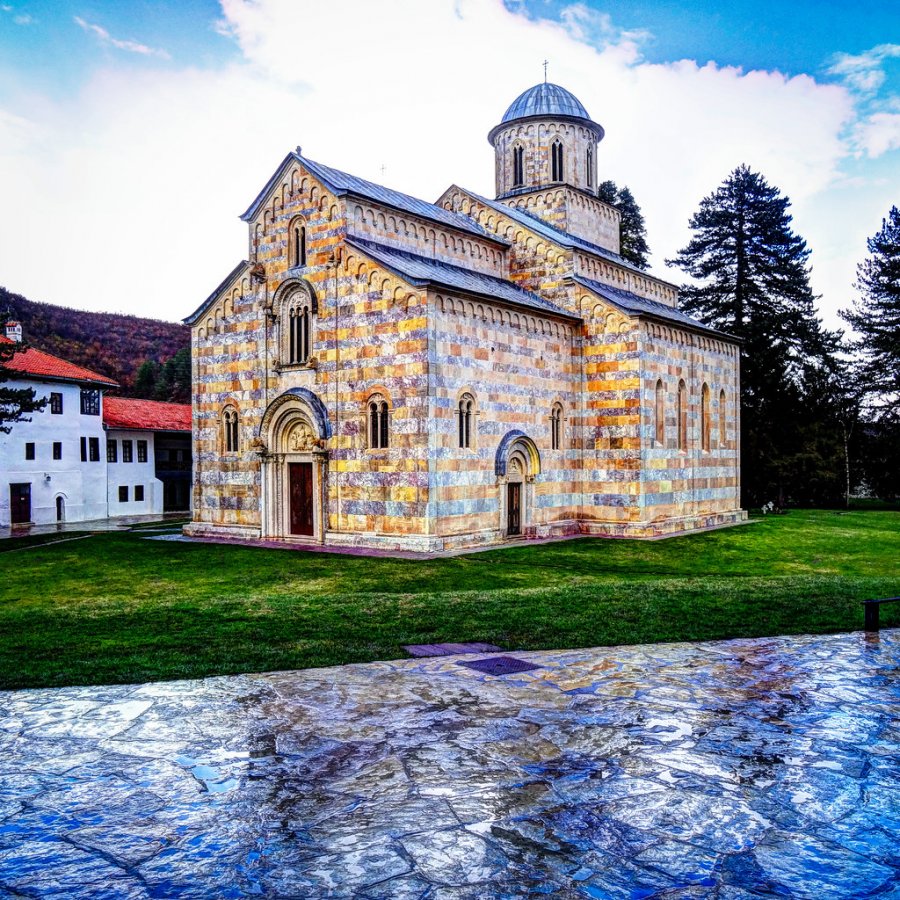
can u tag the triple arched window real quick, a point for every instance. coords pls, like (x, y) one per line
(556, 426)
(297, 325)
(556, 160)
(379, 422)
(465, 414)
(297, 243)
(230, 438)
(518, 160)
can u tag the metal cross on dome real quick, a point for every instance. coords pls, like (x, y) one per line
(545, 71)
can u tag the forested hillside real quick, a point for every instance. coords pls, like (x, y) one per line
(148, 357)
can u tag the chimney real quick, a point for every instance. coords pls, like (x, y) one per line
(14, 331)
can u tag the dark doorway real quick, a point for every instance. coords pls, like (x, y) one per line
(514, 507)
(20, 503)
(60, 509)
(301, 498)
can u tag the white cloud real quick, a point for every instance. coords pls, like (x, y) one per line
(106, 38)
(138, 180)
(863, 72)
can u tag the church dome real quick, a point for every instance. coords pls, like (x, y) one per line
(545, 100)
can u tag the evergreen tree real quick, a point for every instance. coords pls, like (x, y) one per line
(875, 316)
(632, 230)
(752, 281)
(16, 404)
(174, 382)
(145, 379)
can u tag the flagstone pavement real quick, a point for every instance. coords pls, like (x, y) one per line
(736, 769)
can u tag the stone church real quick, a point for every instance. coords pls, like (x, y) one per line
(390, 373)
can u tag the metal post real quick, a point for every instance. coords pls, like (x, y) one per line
(871, 620)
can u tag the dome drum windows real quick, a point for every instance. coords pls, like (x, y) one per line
(589, 167)
(518, 160)
(556, 161)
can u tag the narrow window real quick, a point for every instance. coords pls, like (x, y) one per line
(556, 427)
(230, 430)
(139, 493)
(94, 449)
(127, 451)
(682, 416)
(56, 403)
(142, 451)
(90, 403)
(123, 493)
(112, 450)
(589, 167)
(556, 161)
(518, 166)
(379, 423)
(57, 449)
(704, 418)
(723, 406)
(302, 245)
(660, 414)
(297, 241)
(466, 413)
(29, 450)
(297, 245)
(84, 449)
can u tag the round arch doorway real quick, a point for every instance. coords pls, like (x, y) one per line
(294, 467)
(516, 465)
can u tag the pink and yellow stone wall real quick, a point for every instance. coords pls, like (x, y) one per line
(420, 348)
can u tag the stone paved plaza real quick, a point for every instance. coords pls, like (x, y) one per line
(732, 769)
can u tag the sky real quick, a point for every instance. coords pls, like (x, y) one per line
(133, 134)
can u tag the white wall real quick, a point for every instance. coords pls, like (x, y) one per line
(82, 485)
(132, 474)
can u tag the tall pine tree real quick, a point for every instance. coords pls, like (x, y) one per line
(752, 281)
(632, 230)
(875, 317)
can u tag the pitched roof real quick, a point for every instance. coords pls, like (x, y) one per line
(46, 366)
(341, 184)
(189, 320)
(634, 305)
(421, 270)
(146, 415)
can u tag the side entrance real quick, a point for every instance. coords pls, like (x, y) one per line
(20, 503)
(302, 501)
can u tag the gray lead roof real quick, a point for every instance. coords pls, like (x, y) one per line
(545, 100)
(421, 270)
(341, 183)
(634, 305)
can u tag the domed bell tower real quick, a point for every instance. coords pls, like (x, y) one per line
(545, 151)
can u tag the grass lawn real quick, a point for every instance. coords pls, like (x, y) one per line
(116, 607)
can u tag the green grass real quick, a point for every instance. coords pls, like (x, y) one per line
(120, 608)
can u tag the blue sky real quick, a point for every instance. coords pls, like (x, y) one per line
(115, 112)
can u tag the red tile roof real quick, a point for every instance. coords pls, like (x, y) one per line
(146, 415)
(43, 365)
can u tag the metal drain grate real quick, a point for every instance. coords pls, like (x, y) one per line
(499, 665)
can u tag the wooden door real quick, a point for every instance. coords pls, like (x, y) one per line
(514, 507)
(20, 503)
(302, 506)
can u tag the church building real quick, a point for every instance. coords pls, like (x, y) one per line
(390, 373)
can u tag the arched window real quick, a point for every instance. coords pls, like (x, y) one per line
(704, 418)
(379, 422)
(660, 414)
(466, 413)
(297, 324)
(556, 160)
(297, 243)
(723, 406)
(230, 430)
(518, 166)
(556, 427)
(682, 415)
(589, 167)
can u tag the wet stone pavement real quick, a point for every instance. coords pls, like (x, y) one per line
(729, 770)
